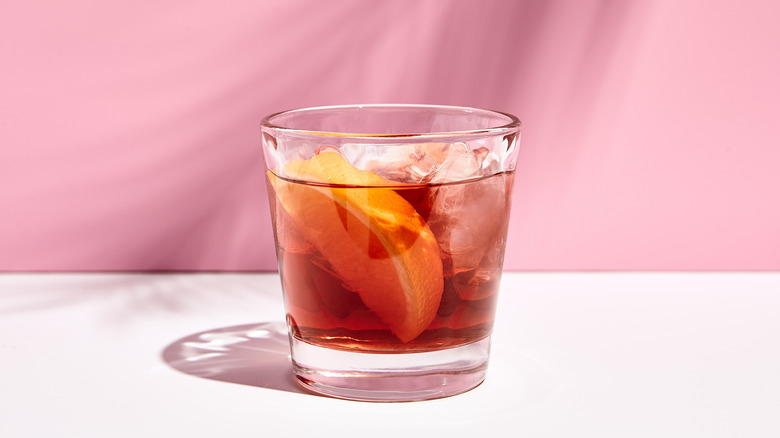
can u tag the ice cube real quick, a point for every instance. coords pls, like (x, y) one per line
(477, 273)
(402, 163)
(456, 162)
(467, 217)
(490, 162)
(422, 162)
(476, 284)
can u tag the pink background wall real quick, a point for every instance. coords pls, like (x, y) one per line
(129, 133)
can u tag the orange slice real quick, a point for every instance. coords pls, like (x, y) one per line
(371, 237)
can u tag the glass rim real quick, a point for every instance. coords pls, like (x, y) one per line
(513, 124)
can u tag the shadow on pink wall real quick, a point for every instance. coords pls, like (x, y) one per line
(130, 140)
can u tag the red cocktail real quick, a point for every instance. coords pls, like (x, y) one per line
(390, 249)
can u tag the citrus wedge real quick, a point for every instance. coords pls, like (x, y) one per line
(371, 237)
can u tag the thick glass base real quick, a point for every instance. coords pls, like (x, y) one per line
(390, 377)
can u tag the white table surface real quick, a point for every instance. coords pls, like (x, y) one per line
(574, 354)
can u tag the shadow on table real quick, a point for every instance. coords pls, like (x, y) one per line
(252, 354)
(259, 355)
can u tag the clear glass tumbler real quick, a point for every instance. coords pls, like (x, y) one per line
(390, 224)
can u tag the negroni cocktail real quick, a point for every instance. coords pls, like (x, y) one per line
(388, 267)
(390, 246)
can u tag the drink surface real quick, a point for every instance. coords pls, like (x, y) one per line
(349, 282)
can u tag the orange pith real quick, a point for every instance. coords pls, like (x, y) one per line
(371, 237)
